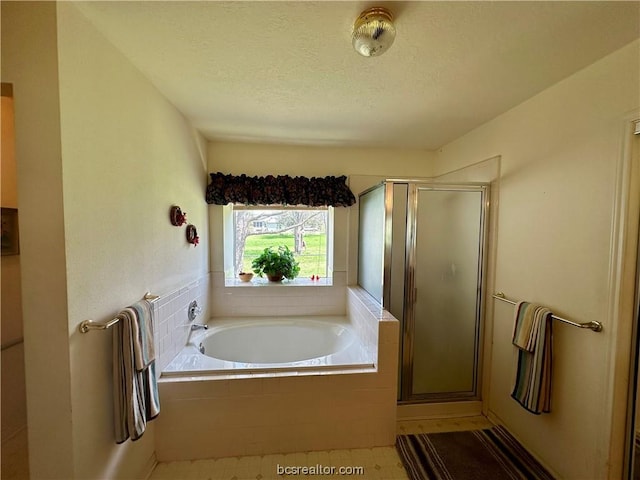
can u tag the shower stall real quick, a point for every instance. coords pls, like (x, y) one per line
(422, 251)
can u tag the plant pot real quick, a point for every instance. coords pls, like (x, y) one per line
(276, 277)
(245, 277)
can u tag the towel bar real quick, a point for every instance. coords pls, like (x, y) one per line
(595, 326)
(87, 325)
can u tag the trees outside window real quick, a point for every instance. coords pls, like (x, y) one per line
(304, 231)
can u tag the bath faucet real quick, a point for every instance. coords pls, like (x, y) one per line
(198, 326)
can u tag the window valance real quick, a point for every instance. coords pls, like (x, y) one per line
(281, 190)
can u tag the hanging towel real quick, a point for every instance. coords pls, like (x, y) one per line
(143, 334)
(135, 387)
(532, 334)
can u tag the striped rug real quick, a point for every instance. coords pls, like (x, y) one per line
(491, 454)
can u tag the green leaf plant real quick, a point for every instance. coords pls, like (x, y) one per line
(274, 262)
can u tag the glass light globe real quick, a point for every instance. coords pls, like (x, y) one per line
(373, 32)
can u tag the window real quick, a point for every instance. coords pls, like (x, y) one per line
(306, 231)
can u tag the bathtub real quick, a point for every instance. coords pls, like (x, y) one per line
(253, 345)
(269, 395)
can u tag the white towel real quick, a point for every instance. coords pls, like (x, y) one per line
(135, 388)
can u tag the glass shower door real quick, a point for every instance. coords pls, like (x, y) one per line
(371, 238)
(444, 301)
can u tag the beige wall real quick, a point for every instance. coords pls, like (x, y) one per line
(29, 62)
(88, 124)
(263, 159)
(127, 156)
(9, 190)
(560, 151)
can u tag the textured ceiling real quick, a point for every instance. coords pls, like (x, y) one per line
(285, 72)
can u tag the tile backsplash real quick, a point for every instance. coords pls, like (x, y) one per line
(171, 324)
(277, 300)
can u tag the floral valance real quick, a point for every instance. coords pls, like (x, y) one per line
(280, 190)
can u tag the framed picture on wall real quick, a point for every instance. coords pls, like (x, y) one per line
(10, 240)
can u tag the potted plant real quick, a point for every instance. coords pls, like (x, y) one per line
(276, 264)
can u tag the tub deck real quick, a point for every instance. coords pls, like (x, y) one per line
(190, 362)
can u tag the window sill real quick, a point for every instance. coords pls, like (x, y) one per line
(263, 282)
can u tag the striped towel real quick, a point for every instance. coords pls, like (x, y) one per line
(532, 334)
(135, 387)
(142, 334)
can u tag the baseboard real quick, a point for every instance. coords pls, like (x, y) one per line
(420, 411)
(493, 418)
(7, 437)
(149, 467)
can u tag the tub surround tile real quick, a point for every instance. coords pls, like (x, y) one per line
(170, 318)
(279, 413)
(280, 300)
(201, 377)
(289, 310)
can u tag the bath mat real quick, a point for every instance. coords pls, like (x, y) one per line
(491, 454)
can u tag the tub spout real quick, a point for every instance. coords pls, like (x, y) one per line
(198, 326)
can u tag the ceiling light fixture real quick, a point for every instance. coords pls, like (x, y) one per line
(373, 32)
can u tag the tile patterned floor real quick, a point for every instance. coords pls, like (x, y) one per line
(377, 463)
(381, 463)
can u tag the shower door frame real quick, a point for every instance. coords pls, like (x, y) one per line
(408, 325)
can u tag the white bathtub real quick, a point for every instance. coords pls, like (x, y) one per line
(268, 345)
